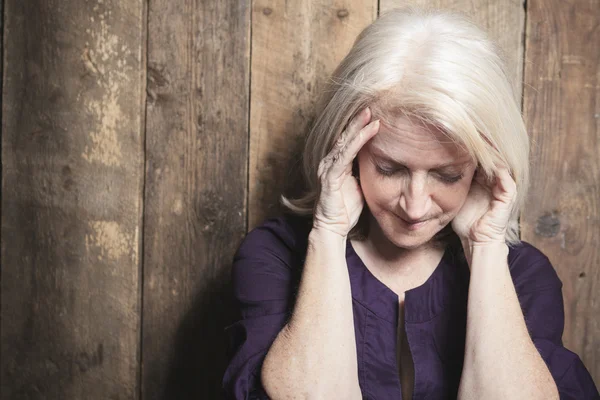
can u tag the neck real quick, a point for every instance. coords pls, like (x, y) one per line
(398, 259)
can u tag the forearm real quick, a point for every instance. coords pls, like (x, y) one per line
(501, 360)
(314, 356)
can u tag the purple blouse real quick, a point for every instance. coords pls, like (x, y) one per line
(266, 274)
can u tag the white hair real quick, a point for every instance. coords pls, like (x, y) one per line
(435, 65)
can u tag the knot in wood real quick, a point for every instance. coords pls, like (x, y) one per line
(548, 225)
(343, 13)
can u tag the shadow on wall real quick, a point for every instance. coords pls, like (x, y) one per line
(201, 350)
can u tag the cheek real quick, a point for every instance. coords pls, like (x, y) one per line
(375, 193)
(379, 196)
(378, 190)
(451, 200)
(372, 186)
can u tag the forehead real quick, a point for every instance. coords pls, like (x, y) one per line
(408, 140)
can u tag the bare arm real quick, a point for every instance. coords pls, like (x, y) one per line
(501, 361)
(314, 355)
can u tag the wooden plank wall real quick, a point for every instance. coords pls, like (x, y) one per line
(196, 177)
(295, 46)
(562, 109)
(141, 140)
(72, 179)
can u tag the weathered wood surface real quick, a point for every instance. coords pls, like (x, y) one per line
(295, 47)
(196, 179)
(503, 20)
(562, 109)
(72, 155)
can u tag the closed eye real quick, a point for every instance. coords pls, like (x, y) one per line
(387, 171)
(448, 179)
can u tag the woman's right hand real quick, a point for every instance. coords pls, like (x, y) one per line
(340, 200)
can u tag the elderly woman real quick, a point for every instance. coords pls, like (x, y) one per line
(400, 273)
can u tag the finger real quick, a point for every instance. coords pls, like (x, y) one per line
(358, 122)
(352, 129)
(506, 187)
(342, 161)
(507, 179)
(484, 181)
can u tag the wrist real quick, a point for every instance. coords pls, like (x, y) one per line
(496, 248)
(489, 250)
(488, 254)
(325, 236)
(467, 242)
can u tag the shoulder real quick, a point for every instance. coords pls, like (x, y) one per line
(284, 236)
(530, 268)
(267, 263)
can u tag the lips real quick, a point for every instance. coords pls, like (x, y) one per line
(412, 222)
(414, 225)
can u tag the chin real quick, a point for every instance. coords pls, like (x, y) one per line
(409, 242)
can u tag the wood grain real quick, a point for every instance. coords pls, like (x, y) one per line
(196, 177)
(503, 20)
(72, 136)
(295, 47)
(562, 110)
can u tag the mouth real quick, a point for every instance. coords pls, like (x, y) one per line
(413, 225)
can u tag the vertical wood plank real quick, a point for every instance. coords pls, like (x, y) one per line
(295, 47)
(562, 109)
(503, 20)
(1, 130)
(72, 140)
(196, 179)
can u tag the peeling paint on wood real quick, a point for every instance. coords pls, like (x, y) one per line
(72, 199)
(110, 239)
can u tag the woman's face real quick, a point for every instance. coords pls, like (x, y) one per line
(414, 180)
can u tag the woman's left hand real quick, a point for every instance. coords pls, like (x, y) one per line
(483, 218)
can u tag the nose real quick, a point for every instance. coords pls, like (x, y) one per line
(415, 199)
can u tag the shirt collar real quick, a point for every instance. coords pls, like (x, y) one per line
(423, 302)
